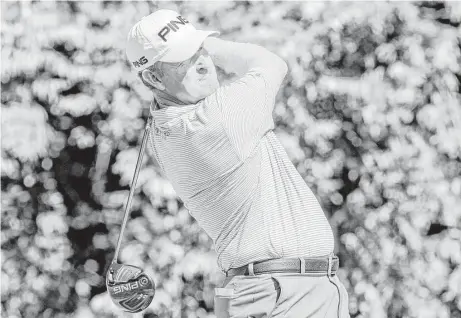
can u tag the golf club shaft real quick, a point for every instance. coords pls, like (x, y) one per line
(145, 137)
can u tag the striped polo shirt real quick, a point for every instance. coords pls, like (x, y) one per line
(234, 176)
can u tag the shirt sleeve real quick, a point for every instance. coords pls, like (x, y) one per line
(246, 107)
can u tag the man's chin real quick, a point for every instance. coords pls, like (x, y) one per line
(209, 91)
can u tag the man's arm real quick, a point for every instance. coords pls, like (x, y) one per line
(241, 58)
(247, 103)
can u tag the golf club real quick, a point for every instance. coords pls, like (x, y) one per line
(128, 286)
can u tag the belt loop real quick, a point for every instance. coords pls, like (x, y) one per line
(251, 270)
(330, 264)
(303, 265)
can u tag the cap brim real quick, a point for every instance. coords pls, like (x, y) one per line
(184, 50)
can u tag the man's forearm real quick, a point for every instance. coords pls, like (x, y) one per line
(239, 58)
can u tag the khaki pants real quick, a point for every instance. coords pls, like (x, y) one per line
(288, 295)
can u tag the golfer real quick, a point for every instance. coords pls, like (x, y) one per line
(216, 145)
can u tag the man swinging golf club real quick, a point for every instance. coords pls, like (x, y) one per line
(217, 147)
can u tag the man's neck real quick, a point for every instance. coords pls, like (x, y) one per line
(164, 100)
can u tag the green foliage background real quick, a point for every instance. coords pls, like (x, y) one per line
(370, 115)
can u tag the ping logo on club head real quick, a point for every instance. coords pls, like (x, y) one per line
(125, 287)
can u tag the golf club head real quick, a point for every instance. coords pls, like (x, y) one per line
(129, 287)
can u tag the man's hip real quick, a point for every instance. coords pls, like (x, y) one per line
(271, 290)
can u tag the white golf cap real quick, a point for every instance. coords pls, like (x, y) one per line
(163, 36)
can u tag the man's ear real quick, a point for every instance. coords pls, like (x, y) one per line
(152, 79)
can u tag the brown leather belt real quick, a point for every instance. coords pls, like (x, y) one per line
(318, 266)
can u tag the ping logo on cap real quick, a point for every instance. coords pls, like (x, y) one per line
(140, 62)
(172, 25)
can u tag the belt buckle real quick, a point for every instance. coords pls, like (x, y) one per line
(251, 271)
(303, 265)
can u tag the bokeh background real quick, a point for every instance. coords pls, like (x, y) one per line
(370, 115)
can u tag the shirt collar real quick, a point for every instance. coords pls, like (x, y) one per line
(166, 114)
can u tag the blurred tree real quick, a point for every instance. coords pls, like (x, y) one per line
(369, 114)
